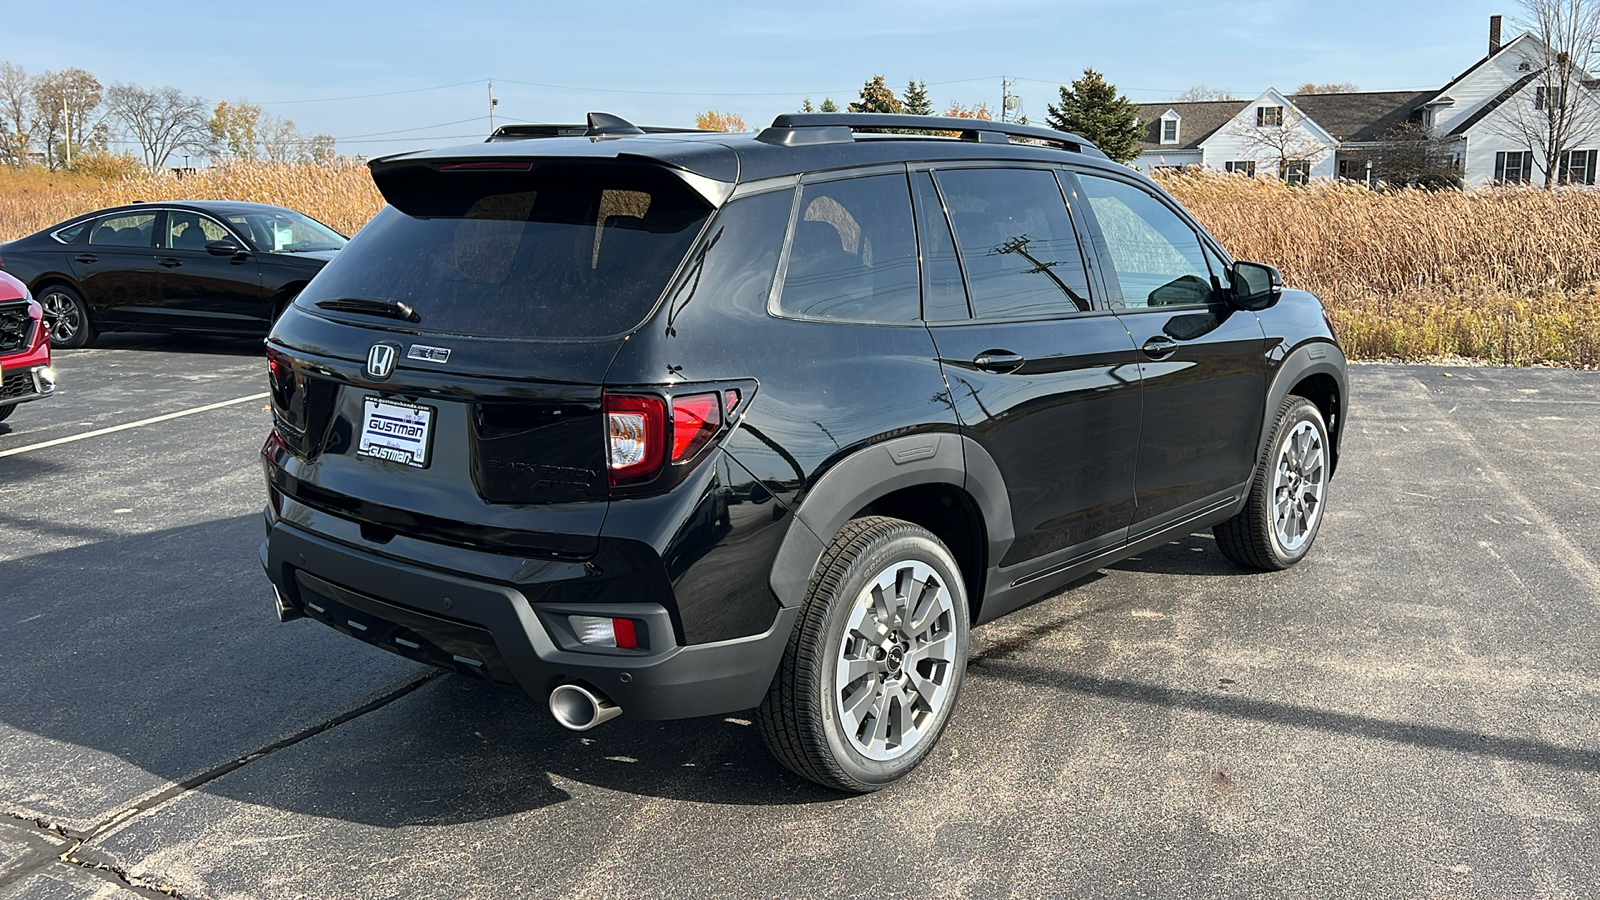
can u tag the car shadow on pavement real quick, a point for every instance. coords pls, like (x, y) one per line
(201, 344)
(1194, 554)
(160, 649)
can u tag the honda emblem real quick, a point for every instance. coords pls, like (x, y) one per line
(380, 360)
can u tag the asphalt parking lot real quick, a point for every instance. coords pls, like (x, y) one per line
(1413, 711)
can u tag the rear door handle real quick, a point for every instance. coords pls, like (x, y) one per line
(169, 263)
(86, 258)
(1159, 346)
(998, 361)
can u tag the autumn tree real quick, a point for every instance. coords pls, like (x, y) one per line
(1200, 93)
(876, 97)
(63, 106)
(1558, 110)
(711, 120)
(916, 102)
(979, 111)
(232, 129)
(160, 120)
(1093, 109)
(1339, 87)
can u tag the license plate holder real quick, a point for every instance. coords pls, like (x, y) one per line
(396, 431)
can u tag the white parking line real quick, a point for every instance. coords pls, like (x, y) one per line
(115, 428)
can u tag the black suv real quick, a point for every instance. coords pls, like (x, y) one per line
(683, 424)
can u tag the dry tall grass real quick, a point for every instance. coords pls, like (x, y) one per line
(341, 195)
(1507, 276)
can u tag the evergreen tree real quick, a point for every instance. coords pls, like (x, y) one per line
(828, 105)
(917, 99)
(1094, 110)
(805, 106)
(876, 97)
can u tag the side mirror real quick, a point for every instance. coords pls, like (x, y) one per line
(224, 247)
(1255, 286)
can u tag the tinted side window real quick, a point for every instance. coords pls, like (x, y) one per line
(1157, 255)
(944, 294)
(124, 231)
(854, 253)
(1017, 244)
(191, 231)
(733, 265)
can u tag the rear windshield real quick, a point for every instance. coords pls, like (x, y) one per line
(564, 251)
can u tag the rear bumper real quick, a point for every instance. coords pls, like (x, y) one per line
(492, 631)
(20, 383)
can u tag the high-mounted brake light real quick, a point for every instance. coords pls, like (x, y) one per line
(499, 166)
(635, 436)
(695, 420)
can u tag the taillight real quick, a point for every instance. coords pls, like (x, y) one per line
(602, 631)
(695, 420)
(635, 436)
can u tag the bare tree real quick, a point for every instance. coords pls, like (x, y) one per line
(1200, 93)
(16, 122)
(1341, 87)
(1412, 154)
(280, 141)
(160, 120)
(64, 107)
(1558, 109)
(1285, 139)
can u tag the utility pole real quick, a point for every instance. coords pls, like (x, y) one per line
(492, 104)
(1009, 103)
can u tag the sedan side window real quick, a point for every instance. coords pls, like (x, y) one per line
(191, 231)
(1157, 256)
(854, 253)
(124, 231)
(1021, 256)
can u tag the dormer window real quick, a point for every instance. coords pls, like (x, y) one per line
(1269, 117)
(1169, 128)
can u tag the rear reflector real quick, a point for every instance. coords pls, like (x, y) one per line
(600, 631)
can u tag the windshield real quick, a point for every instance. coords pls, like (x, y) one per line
(567, 250)
(286, 231)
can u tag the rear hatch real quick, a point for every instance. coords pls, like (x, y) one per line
(499, 291)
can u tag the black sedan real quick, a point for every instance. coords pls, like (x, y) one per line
(210, 266)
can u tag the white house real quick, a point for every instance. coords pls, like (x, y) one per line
(1485, 122)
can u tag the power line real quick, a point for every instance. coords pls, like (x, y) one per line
(437, 87)
(353, 137)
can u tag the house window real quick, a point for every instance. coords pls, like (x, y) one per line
(1245, 167)
(1296, 171)
(1353, 169)
(1515, 167)
(1269, 117)
(1169, 131)
(1577, 167)
(1549, 97)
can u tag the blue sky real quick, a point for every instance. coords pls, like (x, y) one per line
(657, 63)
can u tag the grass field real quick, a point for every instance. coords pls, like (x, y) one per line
(1509, 276)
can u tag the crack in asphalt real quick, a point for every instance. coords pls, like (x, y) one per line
(80, 855)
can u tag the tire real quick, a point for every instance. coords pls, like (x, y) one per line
(5, 411)
(67, 317)
(1284, 513)
(833, 733)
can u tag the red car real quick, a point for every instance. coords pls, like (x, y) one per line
(25, 372)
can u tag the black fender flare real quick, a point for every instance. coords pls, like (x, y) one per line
(877, 471)
(1320, 357)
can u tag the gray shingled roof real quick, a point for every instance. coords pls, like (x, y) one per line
(1200, 120)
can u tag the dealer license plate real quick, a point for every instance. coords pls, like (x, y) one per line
(395, 431)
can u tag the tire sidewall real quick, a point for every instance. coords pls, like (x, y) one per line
(1301, 411)
(864, 569)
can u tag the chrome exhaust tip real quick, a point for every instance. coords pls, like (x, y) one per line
(580, 709)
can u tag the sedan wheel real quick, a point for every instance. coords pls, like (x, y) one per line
(66, 317)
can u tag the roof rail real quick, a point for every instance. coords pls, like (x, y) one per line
(599, 125)
(796, 129)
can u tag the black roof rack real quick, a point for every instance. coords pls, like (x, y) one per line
(599, 125)
(796, 129)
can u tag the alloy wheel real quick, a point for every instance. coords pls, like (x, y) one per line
(1298, 485)
(61, 316)
(896, 662)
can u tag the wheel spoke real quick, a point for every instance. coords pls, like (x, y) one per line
(879, 731)
(930, 604)
(857, 668)
(927, 689)
(941, 650)
(856, 707)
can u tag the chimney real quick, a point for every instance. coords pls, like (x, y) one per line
(1494, 35)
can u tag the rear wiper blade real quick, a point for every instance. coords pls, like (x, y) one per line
(393, 309)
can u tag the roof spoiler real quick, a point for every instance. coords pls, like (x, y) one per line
(600, 125)
(799, 129)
